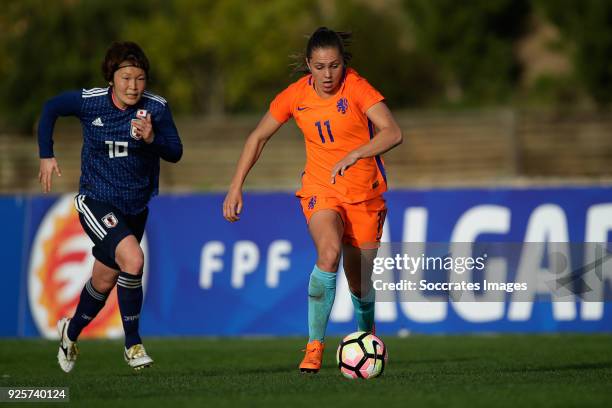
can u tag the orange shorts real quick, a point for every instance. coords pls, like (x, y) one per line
(363, 222)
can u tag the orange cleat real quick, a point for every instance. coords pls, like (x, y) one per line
(313, 358)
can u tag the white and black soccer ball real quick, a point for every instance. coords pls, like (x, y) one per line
(361, 355)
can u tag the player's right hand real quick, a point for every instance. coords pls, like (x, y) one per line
(232, 205)
(47, 167)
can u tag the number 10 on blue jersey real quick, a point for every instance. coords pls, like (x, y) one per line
(116, 149)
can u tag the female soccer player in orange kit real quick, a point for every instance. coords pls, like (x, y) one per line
(342, 184)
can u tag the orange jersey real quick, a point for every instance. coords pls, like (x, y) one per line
(332, 128)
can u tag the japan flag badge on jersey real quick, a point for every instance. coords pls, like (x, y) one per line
(140, 114)
(110, 220)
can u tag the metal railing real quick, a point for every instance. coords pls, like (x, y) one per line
(479, 147)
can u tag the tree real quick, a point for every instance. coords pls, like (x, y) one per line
(472, 42)
(49, 47)
(586, 28)
(383, 53)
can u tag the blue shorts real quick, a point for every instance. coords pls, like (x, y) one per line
(107, 226)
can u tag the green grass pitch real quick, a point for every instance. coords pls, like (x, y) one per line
(439, 371)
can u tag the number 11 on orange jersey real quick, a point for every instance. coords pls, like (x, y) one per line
(329, 132)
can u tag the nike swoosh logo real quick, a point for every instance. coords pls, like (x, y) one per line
(302, 108)
(65, 350)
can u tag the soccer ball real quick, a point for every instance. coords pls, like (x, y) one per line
(361, 355)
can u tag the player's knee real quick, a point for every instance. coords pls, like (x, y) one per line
(131, 262)
(329, 259)
(103, 284)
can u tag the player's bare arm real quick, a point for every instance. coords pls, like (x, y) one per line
(232, 205)
(48, 166)
(388, 136)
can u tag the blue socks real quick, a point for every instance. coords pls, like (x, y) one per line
(321, 294)
(129, 294)
(90, 304)
(364, 310)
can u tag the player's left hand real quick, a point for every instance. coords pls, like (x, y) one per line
(144, 129)
(45, 175)
(341, 167)
(232, 205)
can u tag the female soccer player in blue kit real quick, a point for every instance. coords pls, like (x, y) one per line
(126, 130)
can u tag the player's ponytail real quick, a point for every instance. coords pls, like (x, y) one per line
(324, 37)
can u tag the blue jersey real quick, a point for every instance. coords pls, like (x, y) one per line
(115, 167)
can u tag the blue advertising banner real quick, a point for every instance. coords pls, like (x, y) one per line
(12, 290)
(205, 276)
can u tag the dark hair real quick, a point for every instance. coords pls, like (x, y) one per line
(323, 37)
(119, 52)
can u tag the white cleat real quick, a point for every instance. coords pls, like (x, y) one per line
(68, 351)
(137, 357)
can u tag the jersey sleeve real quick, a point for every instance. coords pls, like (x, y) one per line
(365, 95)
(65, 104)
(167, 142)
(281, 106)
